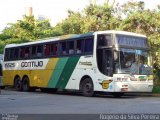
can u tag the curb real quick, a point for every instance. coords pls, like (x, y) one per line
(144, 94)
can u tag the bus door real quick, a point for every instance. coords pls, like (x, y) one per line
(107, 62)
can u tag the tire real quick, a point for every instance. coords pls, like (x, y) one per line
(118, 95)
(17, 84)
(87, 87)
(2, 87)
(25, 84)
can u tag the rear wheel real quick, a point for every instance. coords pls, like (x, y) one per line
(2, 87)
(87, 87)
(17, 84)
(25, 84)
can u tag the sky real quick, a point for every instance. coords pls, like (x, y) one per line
(55, 10)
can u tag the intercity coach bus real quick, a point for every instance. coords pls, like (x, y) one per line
(96, 61)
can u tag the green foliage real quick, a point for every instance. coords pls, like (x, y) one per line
(156, 89)
(29, 29)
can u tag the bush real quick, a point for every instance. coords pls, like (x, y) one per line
(156, 89)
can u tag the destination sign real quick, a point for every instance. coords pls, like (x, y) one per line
(133, 41)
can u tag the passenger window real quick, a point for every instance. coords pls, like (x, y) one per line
(63, 48)
(39, 50)
(79, 46)
(22, 52)
(12, 53)
(47, 50)
(6, 54)
(34, 51)
(53, 49)
(70, 47)
(88, 45)
(27, 52)
(16, 53)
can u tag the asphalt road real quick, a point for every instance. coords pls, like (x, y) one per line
(74, 103)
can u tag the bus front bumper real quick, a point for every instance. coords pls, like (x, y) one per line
(136, 86)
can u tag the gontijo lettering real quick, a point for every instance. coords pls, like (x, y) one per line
(32, 64)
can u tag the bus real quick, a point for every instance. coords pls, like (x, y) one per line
(93, 62)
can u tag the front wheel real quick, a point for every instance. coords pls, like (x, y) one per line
(87, 87)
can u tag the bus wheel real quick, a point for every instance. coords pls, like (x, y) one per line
(17, 84)
(25, 84)
(87, 87)
(2, 87)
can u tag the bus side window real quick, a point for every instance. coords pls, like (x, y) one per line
(47, 50)
(79, 46)
(11, 54)
(16, 53)
(53, 49)
(27, 52)
(63, 48)
(39, 50)
(34, 51)
(70, 47)
(22, 52)
(6, 57)
(88, 45)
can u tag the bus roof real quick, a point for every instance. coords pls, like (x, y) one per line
(74, 36)
(120, 32)
(63, 37)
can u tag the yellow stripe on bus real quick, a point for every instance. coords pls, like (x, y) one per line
(38, 78)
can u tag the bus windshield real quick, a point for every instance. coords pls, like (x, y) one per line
(132, 61)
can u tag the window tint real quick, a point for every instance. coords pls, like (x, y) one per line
(70, 47)
(22, 52)
(51, 49)
(79, 46)
(34, 51)
(6, 57)
(63, 48)
(16, 53)
(88, 45)
(27, 52)
(12, 53)
(39, 50)
(104, 40)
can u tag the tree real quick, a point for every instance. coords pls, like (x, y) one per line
(29, 29)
